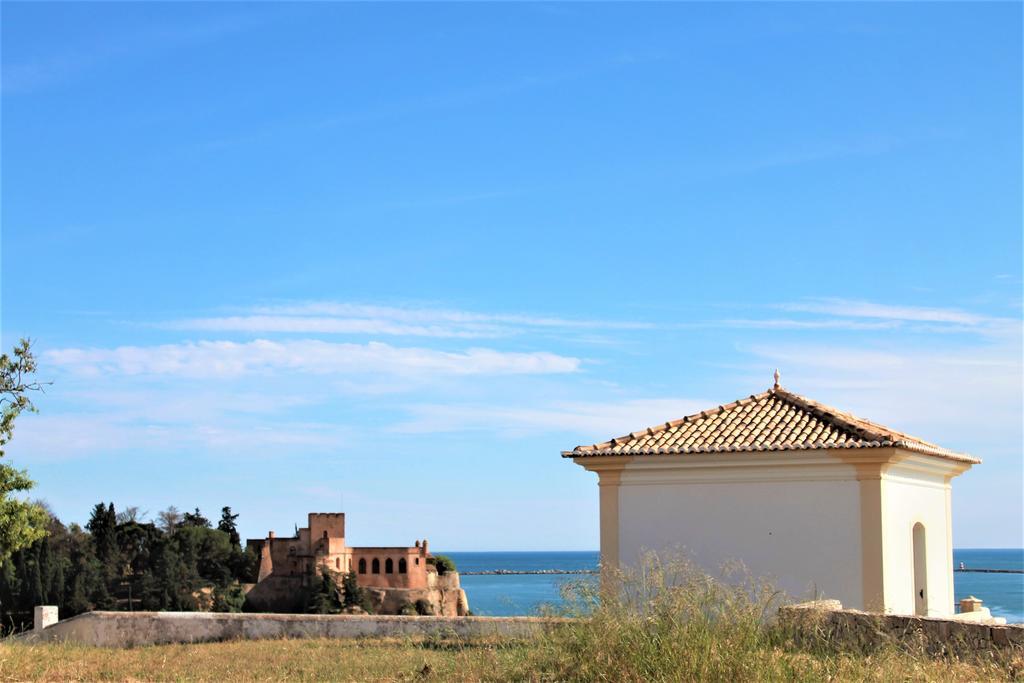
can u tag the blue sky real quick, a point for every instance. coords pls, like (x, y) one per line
(395, 258)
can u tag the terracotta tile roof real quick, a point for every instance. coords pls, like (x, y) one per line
(775, 420)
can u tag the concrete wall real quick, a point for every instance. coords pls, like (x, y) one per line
(911, 497)
(129, 629)
(797, 526)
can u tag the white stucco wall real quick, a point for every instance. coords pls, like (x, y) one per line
(909, 497)
(799, 526)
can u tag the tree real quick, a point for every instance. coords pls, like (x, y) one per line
(227, 525)
(169, 519)
(21, 522)
(131, 514)
(326, 597)
(103, 527)
(195, 519)
(208, 551)
(228, 598)
(354, 596)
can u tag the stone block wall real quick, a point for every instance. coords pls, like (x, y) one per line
(826, 621)
(131, 629)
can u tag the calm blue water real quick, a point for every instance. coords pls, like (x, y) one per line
(1003, 594)
(512, 595)
(516, 595)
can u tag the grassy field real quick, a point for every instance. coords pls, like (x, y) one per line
(669, 623)
(396, 660)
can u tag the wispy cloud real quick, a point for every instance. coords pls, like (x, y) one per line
(930, 319)
(70, 61)
(64, 436)
(965, 398)
(867, 309)
(328, 317)
(789, 324)
(334, 325)
(228, 359)
(596, 421)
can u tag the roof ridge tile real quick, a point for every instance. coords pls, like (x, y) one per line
(773, 420)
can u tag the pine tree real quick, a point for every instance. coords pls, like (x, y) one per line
(326, 597)
(195, 519)
(353, 595)
(46, 571)
(103, 527)
(34, 580)
(228, 526)
(56, 589)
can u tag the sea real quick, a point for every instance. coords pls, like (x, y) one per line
(528, 594)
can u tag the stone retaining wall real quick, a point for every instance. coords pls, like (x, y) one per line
(864, 631)
(129, 629)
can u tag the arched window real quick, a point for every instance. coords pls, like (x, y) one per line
(389, 566)
(337, 563)
(402, 566)
(325, 533)
(362, 565)
(376, 566)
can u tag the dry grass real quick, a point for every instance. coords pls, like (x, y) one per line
(396, 660)
(277, 660)
(666, 622)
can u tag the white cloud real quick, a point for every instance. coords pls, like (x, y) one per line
(328, 317)
(231, 359)
(966, 398)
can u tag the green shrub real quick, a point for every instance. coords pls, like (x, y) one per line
(407, 609)
(443, 563)
(326, 596)
(354, 596)
(229, 598)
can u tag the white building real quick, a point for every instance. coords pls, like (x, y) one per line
(824, 503)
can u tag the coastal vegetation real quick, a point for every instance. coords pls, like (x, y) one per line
(119, 561)
(443, 563)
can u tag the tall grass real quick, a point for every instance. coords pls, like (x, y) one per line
(667, 620)
(664, 620)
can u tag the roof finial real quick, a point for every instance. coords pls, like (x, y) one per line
(777, 376)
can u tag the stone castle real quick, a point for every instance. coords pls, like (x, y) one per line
(392, 576)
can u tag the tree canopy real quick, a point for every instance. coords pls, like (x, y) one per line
(121, 563)
(21, 522)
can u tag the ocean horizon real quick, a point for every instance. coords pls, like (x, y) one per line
(527, 594)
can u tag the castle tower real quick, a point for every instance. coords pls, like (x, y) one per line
(266, 561)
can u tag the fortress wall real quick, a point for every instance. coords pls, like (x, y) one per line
(130, 629)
